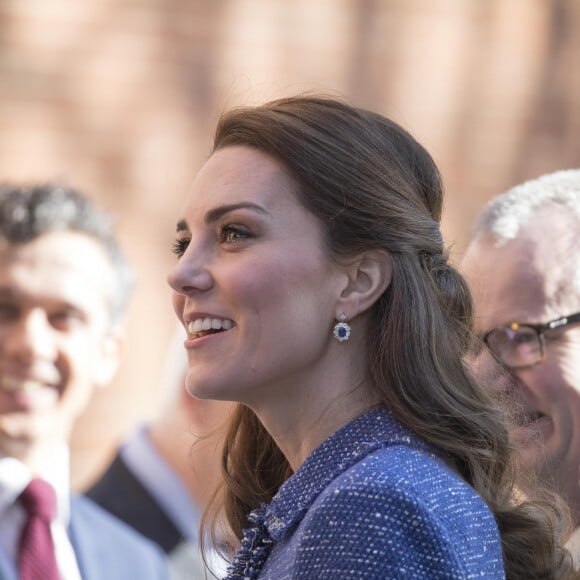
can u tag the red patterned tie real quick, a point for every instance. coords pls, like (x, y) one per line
(36, 550)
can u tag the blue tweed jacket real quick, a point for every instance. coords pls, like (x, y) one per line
(372, 502)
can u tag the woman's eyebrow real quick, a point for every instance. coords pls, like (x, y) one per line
(181, 226)
(218, 212)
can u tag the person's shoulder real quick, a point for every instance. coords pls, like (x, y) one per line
(408, 489)
(109, 541)
(87, 513)
(405, 510)
(407, 469)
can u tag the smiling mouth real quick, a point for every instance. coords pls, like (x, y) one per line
(15, 385)
(204, 326)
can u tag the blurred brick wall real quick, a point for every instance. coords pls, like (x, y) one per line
(119, 98)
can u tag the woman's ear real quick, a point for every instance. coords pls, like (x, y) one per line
(369, 275)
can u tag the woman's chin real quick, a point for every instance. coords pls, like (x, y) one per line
(197, 392)
(206, 392)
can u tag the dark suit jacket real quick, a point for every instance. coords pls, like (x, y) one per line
(107, 549)
(122, 494)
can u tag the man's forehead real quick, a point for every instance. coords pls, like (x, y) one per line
(50, 242)
(62, 259)
(506, 282)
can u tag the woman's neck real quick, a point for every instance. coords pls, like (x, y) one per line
(320, 405)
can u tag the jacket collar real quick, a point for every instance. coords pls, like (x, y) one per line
(370, 431)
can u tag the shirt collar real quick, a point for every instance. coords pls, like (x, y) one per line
(15, 476)
(373, 430)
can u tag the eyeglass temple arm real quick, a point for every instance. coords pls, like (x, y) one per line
(564, 321)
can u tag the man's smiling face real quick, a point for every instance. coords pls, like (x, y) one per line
(56, 342)
(522, 281)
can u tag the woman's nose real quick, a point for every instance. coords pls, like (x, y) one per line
(190, 275)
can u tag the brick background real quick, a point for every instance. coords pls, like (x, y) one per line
(119, 98)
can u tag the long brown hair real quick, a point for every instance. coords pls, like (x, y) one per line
(373, 186)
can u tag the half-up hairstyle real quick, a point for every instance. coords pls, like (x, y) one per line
(373, 186)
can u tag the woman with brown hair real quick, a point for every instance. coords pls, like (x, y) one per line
(314, 287)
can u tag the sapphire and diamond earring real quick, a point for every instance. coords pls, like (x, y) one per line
(342, 329)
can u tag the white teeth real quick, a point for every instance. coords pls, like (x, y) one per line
(14, 385)
(194, 326)
(202, 324)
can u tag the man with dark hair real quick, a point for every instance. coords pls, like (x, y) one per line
(64, 288)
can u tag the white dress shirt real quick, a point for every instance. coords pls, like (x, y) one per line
(14, 477)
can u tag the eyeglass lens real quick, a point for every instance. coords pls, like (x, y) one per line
(515, 347)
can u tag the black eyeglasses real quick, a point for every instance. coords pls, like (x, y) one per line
(518, 345)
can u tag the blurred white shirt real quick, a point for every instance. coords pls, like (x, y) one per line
(14, 477)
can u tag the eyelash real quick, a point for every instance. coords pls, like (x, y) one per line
(225, 234)
(179, 246)
(237, 231)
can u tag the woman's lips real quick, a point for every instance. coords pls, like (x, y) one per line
(202, 325)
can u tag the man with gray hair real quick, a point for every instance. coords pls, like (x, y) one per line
(523, 267)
